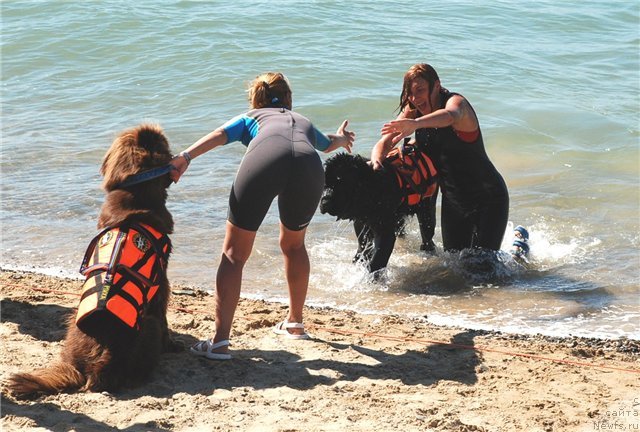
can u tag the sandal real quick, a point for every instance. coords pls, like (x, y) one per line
(282, 328)
(205, 348)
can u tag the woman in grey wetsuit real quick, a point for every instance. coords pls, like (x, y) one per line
(281, 160)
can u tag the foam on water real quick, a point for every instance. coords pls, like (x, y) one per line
(535, 299)
(48, 271)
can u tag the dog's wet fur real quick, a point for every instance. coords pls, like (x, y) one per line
(373, 200)
(105, 362)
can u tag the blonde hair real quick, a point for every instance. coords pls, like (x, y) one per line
(270, 90)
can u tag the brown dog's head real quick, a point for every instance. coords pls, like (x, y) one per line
(135, 150)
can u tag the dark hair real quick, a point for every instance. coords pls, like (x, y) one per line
(420, 70)
(270, 90)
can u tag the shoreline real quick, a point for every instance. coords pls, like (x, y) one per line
(185, 289)
(359, 372)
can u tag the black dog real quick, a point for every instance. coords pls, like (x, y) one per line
(379, 201)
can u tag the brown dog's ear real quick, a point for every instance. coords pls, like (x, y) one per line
(133, 151)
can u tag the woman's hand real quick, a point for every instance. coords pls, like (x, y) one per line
(180, 164)
(347, 136)
(342, 138)
(399, 129)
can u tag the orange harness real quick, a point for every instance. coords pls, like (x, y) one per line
(122, 267)
(415, 173)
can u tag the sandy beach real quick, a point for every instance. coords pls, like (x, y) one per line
(358, 373)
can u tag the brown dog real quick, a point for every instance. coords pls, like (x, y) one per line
(120, 330)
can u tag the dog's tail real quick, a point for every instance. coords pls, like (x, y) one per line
(58, 378)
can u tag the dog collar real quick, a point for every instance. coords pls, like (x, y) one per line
(146, 176)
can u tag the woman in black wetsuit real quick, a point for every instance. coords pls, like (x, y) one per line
(281, 160)
(475, 200)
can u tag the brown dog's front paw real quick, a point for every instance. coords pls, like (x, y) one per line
(174, 345)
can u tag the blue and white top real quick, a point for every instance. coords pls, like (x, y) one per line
(274, 121)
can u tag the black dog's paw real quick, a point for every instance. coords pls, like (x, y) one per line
(429, 247)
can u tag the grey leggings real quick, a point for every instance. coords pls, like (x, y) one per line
(277, 166)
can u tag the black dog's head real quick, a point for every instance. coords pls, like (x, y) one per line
(344, 177)
(354, 191)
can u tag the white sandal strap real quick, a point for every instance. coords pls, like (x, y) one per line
(291, 325)
(208, 345)
(212, 346)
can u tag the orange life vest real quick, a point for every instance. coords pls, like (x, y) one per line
(123, 266)
(415, 173)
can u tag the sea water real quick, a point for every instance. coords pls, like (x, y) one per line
(555, 86)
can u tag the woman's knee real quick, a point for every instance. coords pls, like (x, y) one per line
(236, 257)
(238, 244)
(292, 242)
(289, 248)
